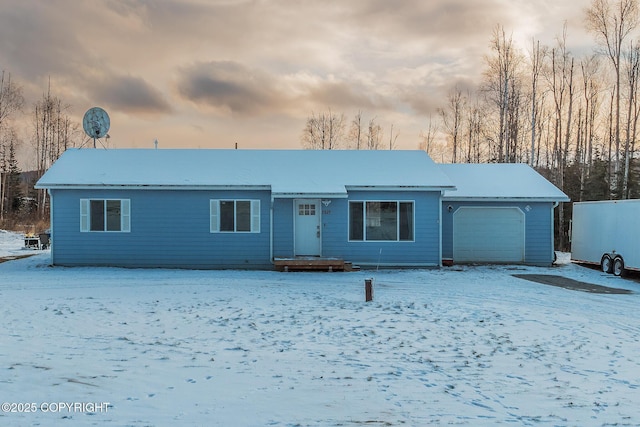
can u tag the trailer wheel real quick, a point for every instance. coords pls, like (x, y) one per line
(618, 266)
(606, 264)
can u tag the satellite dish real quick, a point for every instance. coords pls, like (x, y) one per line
(96, 123)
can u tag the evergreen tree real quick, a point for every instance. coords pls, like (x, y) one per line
(634, 178)
(597, 184)
(11, 181)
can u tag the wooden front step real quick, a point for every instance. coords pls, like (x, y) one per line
(312, 264)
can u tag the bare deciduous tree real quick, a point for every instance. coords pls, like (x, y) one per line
(11, 103)
(374, 135)
(392, 138)
(53, 133)
(632, 68)
(612, 24)
(323, 131)
(591, 87)
(475, 130)
(537, 63)
(503, 88)
(561, 86)
(356, 132)
(11, 99)
(427, 138)
(452, 119)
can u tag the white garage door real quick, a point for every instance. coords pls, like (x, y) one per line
(488, 234)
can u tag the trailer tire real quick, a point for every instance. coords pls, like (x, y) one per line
(618, 266)
(606, 263)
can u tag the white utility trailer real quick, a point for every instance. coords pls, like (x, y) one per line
(607, 233)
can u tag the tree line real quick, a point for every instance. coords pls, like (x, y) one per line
(331, 131)
(51, 132)
(572, 118)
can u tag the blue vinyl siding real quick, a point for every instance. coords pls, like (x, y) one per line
(335, 217)
(172, 229)
(283, 228)
(424, 250)
(538, 229)
(168, 229)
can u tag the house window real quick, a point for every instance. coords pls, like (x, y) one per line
(381, 221)
(105, 215)
(239, 216)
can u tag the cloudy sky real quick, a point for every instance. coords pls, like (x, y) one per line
(213, 73)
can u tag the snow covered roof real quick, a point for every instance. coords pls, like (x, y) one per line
(288, 173)
(500, 181)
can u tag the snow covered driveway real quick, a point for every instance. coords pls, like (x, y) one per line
(464, 346)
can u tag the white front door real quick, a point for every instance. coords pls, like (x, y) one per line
(307, 227)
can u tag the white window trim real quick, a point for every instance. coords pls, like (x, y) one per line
(85, 216)
(214, 215)
(364, 221)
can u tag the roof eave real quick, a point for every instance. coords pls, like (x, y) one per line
(401, 187)
(458, 198)
(304, 195)
(147, 187)
(291, 194)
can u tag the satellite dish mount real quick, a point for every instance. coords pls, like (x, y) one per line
(96, 123)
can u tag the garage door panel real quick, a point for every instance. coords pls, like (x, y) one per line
(483, 234)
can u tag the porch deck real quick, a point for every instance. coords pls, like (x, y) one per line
(313, 264)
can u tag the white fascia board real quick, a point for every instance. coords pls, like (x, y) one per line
(309, 195)
(151, 187)
(504, 199)
(399, 188)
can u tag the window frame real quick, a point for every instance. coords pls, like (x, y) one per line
(215, 216)
(363, 221)
(86, 219)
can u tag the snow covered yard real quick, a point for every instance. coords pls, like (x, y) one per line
(11, 244)
(463, 346)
